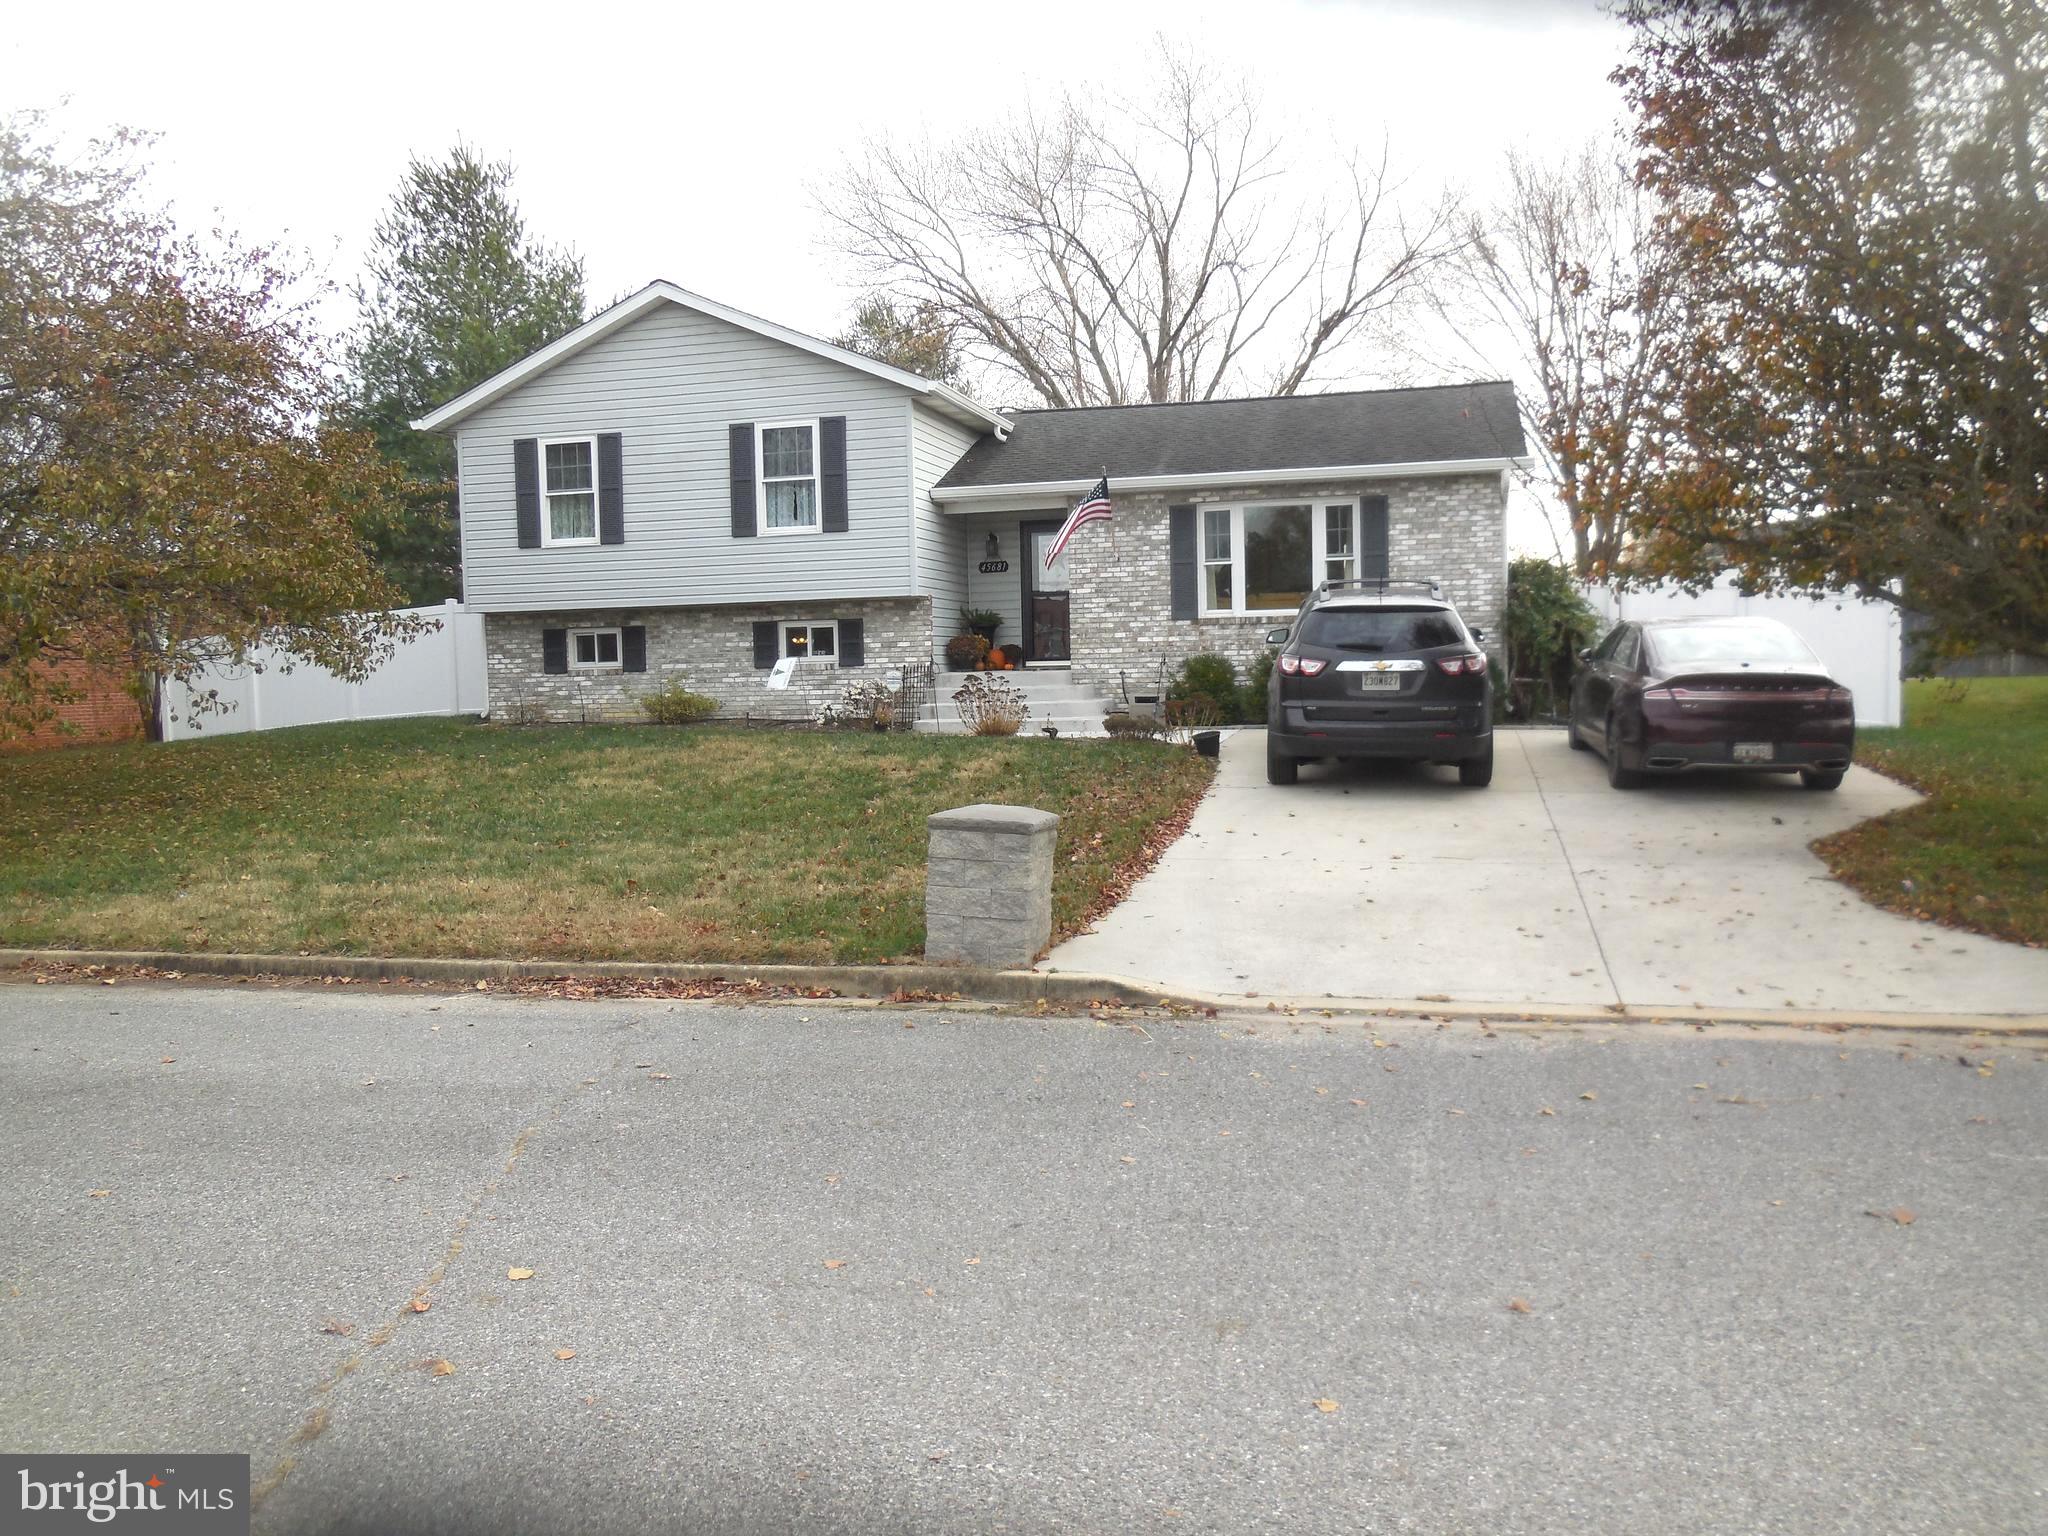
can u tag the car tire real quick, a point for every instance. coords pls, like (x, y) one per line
(1821, 778)
(1619, 777)
(1571, 734)
(1477, 772)
(1280, 768)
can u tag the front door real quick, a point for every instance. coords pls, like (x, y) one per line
(1045, 594)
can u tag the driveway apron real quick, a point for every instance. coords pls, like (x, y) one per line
(1369, 882)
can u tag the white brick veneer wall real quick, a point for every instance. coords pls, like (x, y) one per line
(1452, 527)
(710, 649)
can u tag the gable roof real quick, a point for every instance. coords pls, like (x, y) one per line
(943, 397)
(1437, 430)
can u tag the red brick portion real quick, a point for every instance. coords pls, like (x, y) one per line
(103, 711)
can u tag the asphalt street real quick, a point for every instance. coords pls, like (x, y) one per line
(840, 1270)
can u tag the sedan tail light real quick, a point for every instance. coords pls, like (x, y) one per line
(1455, 666)
(1664, 695)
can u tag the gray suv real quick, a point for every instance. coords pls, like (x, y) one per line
(1379, 668)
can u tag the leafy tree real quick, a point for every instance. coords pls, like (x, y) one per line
(1545, 623)
(915, 337)
(1850, 393)
(456, 291)
(167, 497)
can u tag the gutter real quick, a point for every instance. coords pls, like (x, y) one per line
(1221, 479)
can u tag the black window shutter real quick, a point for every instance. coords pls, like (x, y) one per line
(611, 491)
(526, 489)
(554, 650)
(1180, 556)
(740, 436)
(767, 644)
(832, 474)
(852, 644)
(1372, 537)
(633, 648)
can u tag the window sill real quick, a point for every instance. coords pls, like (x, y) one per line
(778, 533)
(569, 543)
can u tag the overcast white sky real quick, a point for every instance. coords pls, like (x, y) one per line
(680, 141)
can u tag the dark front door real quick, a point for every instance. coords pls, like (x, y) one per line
(1045, 594)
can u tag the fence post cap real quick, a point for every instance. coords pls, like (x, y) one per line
(993, 818)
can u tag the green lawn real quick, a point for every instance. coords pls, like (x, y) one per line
(438, 837)
(1976, 850)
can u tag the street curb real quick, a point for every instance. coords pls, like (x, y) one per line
(1064, 987)
(869, 981)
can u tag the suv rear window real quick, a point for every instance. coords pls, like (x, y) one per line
(1380, 629)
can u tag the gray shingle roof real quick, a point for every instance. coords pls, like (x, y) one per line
(1381, 426)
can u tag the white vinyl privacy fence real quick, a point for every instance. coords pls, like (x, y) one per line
(439, 673)
(1859, 639)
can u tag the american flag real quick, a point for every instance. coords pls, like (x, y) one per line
(1092, 508)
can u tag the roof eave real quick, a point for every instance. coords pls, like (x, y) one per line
(954, 403)
(1219, 479)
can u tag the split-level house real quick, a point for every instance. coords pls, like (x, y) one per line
(680, 489)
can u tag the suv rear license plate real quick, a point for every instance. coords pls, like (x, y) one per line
(1755, 752)
(1379, 681)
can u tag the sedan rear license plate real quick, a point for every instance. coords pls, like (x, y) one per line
(1388, 682)
(1755, 752)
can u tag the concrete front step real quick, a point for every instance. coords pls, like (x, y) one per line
(1070, 730)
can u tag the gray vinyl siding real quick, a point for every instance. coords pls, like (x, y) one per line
(671, 383)
(944, 556)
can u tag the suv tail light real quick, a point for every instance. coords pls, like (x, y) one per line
(1303, 666)
(1456, 665)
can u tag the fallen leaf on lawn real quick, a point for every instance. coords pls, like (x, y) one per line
(518, 1274)
(337, 1327)
(437, 1367)
(835, 1263)
(99, 1194)
(483, 986)
(1589, 1094)
(565, 1354)
(421, 1304)
(1516, 1304)
(1327, 1405)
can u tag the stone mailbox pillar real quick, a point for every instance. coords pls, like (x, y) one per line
(988, 886)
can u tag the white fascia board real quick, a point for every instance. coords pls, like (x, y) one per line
(1229, 478)
(968, 411)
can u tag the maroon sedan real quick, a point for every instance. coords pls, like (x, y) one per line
(1671, 695)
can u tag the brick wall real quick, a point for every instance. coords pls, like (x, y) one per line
(1452, 527)
(710, 649)
(104, 711)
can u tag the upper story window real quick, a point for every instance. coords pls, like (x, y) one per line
(568, 491)
(788, 456)
(1265, 557)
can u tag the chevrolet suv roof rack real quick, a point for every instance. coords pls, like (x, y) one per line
(1382, 585)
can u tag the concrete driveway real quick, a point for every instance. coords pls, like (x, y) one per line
(1390, 883)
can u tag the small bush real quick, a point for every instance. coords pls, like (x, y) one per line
(1251, 698)
(1544, 625)
(989, 706)
(1210, 678)
(673, 704)
(1128, 727)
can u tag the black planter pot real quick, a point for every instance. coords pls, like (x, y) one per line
(1208, 743)
(986, 631)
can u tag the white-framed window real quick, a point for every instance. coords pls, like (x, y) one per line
(1266, 556)
(819, 640)
(787, 453)
(593, 650)
(568, 490)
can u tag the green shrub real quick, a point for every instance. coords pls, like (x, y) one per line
(1544, 626)
(1209, 681)
(673, 704)
(1251, 698)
